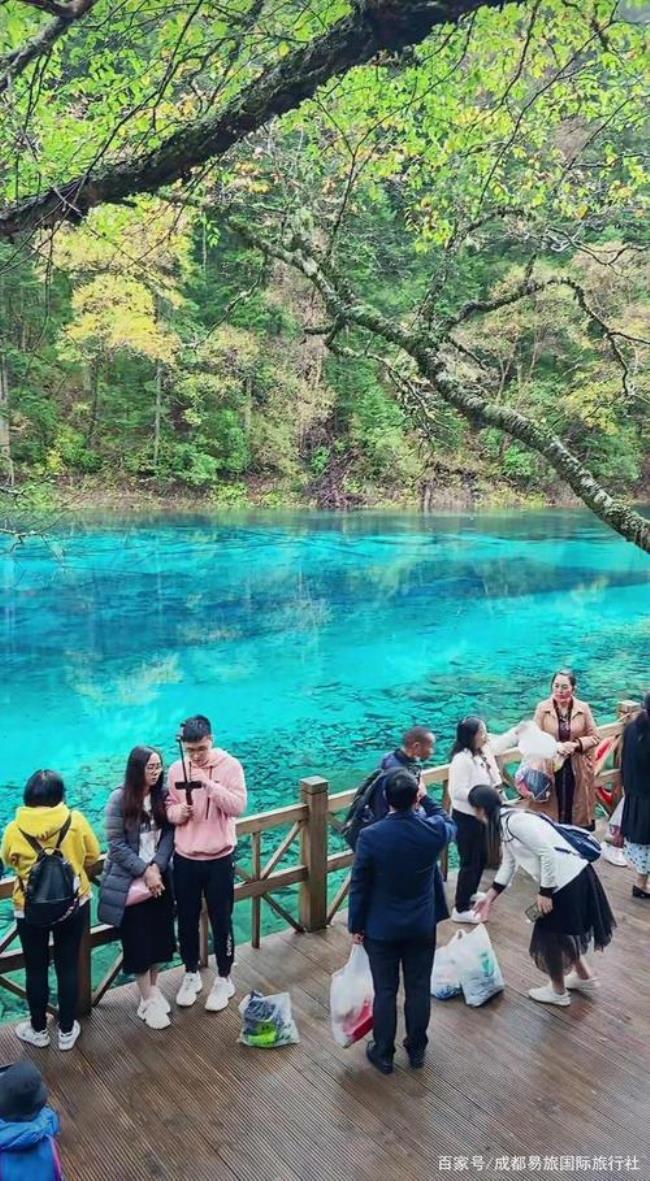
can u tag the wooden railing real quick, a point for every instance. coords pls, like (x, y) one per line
(310, 823)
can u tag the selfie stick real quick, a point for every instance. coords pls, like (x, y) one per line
(188, 786)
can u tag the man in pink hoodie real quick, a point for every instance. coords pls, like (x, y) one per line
(203, 807)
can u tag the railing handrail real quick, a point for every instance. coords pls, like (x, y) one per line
(310, 821)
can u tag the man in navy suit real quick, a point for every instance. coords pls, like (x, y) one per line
(396, 900)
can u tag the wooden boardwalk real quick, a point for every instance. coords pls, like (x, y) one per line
(502, 1085)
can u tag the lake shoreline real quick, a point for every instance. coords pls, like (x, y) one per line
(88, 497)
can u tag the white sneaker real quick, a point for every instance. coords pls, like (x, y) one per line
(577, 984)
(614, 856)
(548, 996)
(222, 990)
(33, 1037)
(464, 916)
(156, 998)
(189, 989)
(161, 999)
(67, 1040)
(479, 896)
(153, 1014)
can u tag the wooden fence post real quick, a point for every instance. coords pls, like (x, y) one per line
(85, 1001)
(314, 792)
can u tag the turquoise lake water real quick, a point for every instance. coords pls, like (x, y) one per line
(311, 640)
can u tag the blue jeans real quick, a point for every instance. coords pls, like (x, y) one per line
(415, 956)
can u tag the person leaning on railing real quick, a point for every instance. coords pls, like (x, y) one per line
(136, 892)
(571, 722)
(46, 821)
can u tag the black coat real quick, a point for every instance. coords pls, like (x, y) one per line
(635, 772)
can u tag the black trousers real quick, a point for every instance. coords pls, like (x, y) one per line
(35, 945)
(471, 839)
(415, 956)
(215, 881)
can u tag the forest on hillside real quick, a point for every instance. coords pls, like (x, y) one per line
(321, 312)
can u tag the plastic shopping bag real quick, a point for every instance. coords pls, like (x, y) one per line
(351, 997)
(267, 1021)
(444, 977)
(614, 833)
(535, 743)
(532, 779)
(477, 965)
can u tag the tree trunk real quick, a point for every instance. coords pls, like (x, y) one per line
(6, 463)
(157, 415)
(93, 383)
(614, 512)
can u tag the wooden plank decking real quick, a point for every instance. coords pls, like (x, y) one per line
(513, 1080)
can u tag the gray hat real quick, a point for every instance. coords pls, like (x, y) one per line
(23, 1093)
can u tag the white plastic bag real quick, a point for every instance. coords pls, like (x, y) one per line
(444, 977)
(477, 965)
(614, 833)
(351, 997)
(535, 743)
(267, 1021)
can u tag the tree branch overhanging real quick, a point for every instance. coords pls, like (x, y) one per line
(374, 26)
(424, 350)
(65, 15)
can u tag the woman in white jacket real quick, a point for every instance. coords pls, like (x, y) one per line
(572, 905)
(473, 762)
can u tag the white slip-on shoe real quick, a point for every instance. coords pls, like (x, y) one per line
(68, 1040)
(222, 990)
(189, 989)
(548, 996)
(577, 984)
(153, 1014)
(464, 916)
(33, 1037)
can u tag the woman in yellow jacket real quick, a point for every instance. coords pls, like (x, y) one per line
(46, 821)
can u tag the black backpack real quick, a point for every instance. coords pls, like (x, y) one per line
(362, 809)
(52, 886)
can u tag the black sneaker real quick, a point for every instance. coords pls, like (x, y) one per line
(385, 1065)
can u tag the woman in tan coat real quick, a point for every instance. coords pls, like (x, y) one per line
(571, 722)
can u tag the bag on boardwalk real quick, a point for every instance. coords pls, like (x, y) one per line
(477, 965)
(267, 1021)
(351, 997)
(51, 886)
(444, 977)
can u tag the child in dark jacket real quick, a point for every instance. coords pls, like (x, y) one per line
(28, 1150)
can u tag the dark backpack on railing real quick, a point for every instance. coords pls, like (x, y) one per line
(52, 886)
(361, 812)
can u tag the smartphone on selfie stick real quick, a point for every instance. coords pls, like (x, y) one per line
(190, 784)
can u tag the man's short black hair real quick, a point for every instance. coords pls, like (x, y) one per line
(401, 789)
(416, 734)
(196, 729)
(44, 789)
